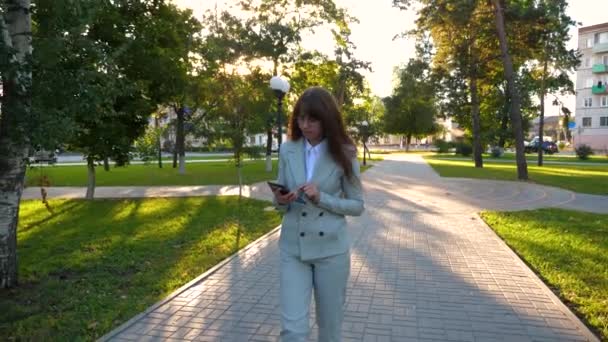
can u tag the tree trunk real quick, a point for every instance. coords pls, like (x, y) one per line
(541, 121)
(12, 175)
(179, 143)
(238, 212)
(408, 140)
(106, 164)
(515, 108)
(160, 150)
(14, 143)
(477, 148)
(269, 149)
(91, 178)
(504, 125)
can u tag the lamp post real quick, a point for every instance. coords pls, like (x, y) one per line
(364, 127)
(280, 87)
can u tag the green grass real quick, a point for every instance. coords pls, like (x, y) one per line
(591, 179)
(569, 251)
(211, 173)
(533, 158)
(92, 265)
(216, 173)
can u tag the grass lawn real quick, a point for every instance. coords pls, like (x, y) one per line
(92, 265)
(212, 173)
(220, 173)
(534, 157)
(591, 179)
(568, 250)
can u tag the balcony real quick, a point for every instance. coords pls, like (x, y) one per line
(599, 68)
(600, 47)
(599, 89)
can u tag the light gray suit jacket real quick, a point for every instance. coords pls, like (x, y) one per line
(313, 231)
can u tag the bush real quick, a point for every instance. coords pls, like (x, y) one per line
(146, 146)
(442, 146)
(583, 151)
(464, 148)
(497, 151)
(254, 152)
(561, 145)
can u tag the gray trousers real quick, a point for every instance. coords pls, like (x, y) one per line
(328, 277)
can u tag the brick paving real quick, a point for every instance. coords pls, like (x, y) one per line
(425, 267)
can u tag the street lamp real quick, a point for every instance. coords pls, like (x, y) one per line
(364, 127)
(280, 87)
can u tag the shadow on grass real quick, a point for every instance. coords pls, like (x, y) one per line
(101, 262)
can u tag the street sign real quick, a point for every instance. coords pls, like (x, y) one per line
(571, 125)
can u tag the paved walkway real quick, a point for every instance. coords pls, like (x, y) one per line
(424, 268)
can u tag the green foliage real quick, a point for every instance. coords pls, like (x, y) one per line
(442, 145)
(146, 146)
(464, 148)
(583, 151)
(253, 152)
(102, 68)
(411, 109)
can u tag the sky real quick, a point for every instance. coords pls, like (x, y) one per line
(379, 22)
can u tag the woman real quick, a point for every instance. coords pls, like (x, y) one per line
(319, 165)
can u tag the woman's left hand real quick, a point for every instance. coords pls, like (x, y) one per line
(311, 192)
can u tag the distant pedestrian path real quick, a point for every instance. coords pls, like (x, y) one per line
(419, 181)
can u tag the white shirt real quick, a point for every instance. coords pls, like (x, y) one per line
(313, 153)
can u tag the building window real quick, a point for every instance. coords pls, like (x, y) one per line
(586, 122)
(602, 37)
(604, 121)
(587, 62)
(604, 101)
(588, 102)
(605, 60)
(589, 83)
(589, 42)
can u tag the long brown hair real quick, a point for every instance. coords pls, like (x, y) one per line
(318, 103)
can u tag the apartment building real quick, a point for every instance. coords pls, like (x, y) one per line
(591, 113)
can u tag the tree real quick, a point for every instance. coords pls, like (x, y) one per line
(350, 81)
(160, 57)
(16, 49)
(553, 59)
(411, 109)
(462, 55)
(274, 33)
(365, 120)
(514, 96)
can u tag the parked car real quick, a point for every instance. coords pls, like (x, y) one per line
(549, 147)
(44, 156)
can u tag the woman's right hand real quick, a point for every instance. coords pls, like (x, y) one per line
(285, 199)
